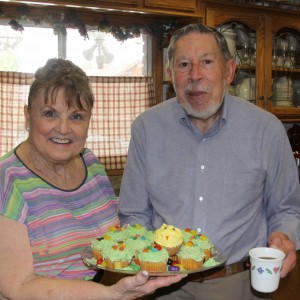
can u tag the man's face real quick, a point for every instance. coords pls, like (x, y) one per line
(199, 74)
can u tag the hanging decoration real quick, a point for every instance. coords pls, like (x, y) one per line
(16, 26)
(70, 19)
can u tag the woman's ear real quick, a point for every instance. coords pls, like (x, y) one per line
(27, 116)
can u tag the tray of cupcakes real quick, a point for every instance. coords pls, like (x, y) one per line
(162, 252)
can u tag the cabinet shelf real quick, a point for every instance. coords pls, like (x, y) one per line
(282, 69)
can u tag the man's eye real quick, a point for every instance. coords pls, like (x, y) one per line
(207, 61)
(183, 65)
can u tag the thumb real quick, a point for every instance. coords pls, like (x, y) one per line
(275, 243)
(142, 277)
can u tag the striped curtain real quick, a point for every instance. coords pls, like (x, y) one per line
(119, 100)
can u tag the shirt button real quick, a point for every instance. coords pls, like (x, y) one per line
(199, 230)
(202, 167)
(201, 199)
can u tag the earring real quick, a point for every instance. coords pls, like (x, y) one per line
(27, 128)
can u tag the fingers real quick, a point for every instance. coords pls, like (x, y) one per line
(288, 264)
(282, 242)
(139, 285)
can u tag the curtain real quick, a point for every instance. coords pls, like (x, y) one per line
(119, 100)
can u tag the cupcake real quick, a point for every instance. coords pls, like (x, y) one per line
(134, 230)
(114, 233)
(118, 256)
(204, 243)
(98, 245)
(153, 259)
(169, 237)
(190, 257)
(188, 233)
(137, 243)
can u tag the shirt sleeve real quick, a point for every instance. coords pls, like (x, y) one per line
(134, 205)
(12, 204)
(282, 192)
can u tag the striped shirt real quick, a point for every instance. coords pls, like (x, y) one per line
(60, 223)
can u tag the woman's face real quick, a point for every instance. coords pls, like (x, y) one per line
(199, 74)
(57, 133)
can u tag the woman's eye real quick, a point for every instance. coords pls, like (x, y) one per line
(77, 117)
(49, 114)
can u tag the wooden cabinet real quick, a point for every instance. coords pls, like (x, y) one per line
(263, 29)
(186, 5)
(289, 287)
(151, 7)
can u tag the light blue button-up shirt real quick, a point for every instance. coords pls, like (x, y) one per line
(236, 183)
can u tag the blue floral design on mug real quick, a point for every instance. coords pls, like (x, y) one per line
(260, 270)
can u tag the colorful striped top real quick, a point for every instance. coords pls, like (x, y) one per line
(60, 223)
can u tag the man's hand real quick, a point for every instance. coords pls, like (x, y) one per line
(282, 242)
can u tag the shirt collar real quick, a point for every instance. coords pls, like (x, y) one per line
(185, 120)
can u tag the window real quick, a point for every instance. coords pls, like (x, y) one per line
(99, 55)
(119, 78)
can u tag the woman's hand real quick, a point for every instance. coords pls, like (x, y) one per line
(282, 242)
(141, 284)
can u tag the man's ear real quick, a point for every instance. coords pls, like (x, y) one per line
(170, 74)
(230, 70)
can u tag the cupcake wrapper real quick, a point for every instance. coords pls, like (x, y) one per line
(153, 266)
(172, 250)
(189, 263)
(97, 254)
(116, 264)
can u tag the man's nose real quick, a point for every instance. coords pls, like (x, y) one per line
(195, 72)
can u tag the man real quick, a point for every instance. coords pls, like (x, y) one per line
(212, 162)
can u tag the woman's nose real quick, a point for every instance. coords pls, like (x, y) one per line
(63, 126)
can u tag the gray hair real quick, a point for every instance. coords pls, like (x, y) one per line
(198, 28)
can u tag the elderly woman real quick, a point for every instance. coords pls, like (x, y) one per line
(55, 197)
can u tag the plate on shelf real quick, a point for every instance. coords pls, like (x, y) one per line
(218, 256)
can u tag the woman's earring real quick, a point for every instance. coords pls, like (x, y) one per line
(27, 128)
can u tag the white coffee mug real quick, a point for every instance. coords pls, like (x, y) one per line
(266, 265)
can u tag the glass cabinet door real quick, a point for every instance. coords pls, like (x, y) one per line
(286, 68)
(282, 81)
(244, 33)
(241, 41)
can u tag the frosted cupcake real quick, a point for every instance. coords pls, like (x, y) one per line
(188, 233)
(98, 245)
(137, 243)
(190, 257)
(114, 233)
(204, 243)
(134, 230)
(118, 256)
(169, 237)
(153, 259)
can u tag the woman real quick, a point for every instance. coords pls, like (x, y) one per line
(55, 197)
